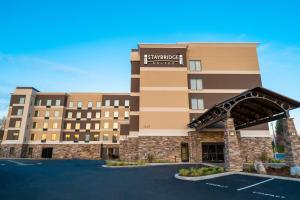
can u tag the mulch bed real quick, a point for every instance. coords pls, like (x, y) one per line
(284, 171)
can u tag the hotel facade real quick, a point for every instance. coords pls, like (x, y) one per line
(172, 85)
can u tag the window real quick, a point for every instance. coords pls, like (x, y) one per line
(106, 125)
(90, 104)
(105, 137)
(34, 125)
(15, 136)
(36, 113)
(197, 104)
(126, 103)
(126, 114)
(49, 102)
(76, 137)
(97, 126)
(78, 115)
(53, 136)
(88, 126)
(77, 126)
(115, 138)
(38, 102)
(116, 103)
(18, 124)
(70, 115)
(32, 137)
(45, 126)
(106, 114)
(196, 84)
(20, 111)
(57, 102)
(107, 102)
(71, 104)
(22, 100)
(12, 151)
(195, 65)
(55, 125)
(97, 115)
(67, 137)
(96, 137)
(79, 104)
(116, 114)
(115, 125)
(47, 113)
(87, 138)
(89, 115)
(44, 137)
(56, 113)
(98, 104)
(68, 126)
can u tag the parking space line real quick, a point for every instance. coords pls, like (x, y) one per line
(217, 185)
(243, 188)
(2, 164)
(18, 163)
(270, 195)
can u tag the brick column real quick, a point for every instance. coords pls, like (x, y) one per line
(291, 142)
(232, 153)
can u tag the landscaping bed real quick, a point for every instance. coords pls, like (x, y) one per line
(202, 171)
(124, 164)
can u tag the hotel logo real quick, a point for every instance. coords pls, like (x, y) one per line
(163, 59)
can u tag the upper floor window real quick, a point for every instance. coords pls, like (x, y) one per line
(79, 104)
(116, 103)
(115, 125)
(106, 125)
(89, 115)
(105, 137)
(98, 104)
(45, 126)
(197, 104)
(22, 100)
(196, 84)
(18, 124)
(78, 115)
(57, 102)
(68, 126)
(55, 125)
(71, 104)
(97, 115)
(126, 114)
(126, 103)
(77, 126)
(53, 136)
(36, 113)
(90, 104)
(47, 113)
(38, 102)
(106, 114)
(34, 125)
(20, 112)
(97, 126)
(107, 102)
(56, 113)
(49, 102)
(88, 126)
(70, 115)
(195, 65)
(116, 114)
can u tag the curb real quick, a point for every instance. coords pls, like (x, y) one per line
(126, 166)
(199, 178)
(269, 176)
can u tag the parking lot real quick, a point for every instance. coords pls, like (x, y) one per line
(86, 179)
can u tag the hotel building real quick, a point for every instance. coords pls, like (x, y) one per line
(171, 86)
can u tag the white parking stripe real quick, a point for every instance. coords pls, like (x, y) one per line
(2, 164)
(270, 195)
(18, 163)
(243, 188)
(217, 185)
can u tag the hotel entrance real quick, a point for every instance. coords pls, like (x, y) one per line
(47, 152)
(213, 152)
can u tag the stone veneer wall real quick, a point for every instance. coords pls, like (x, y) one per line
(204, 137)
(5, 148)
(252, 148)
(128, 149)
(68, 151)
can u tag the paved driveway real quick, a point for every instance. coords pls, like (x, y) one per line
(80, 179)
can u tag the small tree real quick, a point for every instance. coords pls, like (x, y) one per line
(279, 132)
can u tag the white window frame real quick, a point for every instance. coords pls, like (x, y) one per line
(56, 113)
(88, 126)
(193, 67)
(97, 126)
(77, 126)
(71, 104)
(55, 125)
(196, 84)
(126, 114)
(70, 114)
(90, 104)
(115, 125)
(22, 100)
(98, 104)
(106, 125)
(89, 115)
(197, 103)
(98, 115)
(57, 102)
(45, 125)
(116, 103)
(20, 112)
(127, 103)
(106, 114)
(47, 113)
(79, 104)
(49, 102)
(78, 115)
(18, 124)
(116, 114)
(69, 126)
(107, 102)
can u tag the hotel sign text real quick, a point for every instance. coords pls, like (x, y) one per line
(163, 59)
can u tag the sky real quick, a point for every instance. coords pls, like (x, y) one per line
(64, 46)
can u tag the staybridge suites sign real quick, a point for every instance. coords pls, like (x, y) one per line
(162, 57)
(158, 59)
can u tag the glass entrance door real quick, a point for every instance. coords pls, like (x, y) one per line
(213, 152)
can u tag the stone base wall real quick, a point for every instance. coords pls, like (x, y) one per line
(18, 150)
(197, 139)
(252, 148)
(60, 151)
(128, 149)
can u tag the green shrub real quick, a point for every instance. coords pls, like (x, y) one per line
(273, 160)
(249, 168)
(150, 158)
(121, 163)
(264, 156)
(202, 171)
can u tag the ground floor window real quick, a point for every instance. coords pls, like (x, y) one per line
(12, 151)
(213, 152)
(47, 152)
(30, 149)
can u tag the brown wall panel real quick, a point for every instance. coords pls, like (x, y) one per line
(211, 99)
(44, 98)
(135, 85)
(227, 81)
(134, 103)
(15, 99)
(124, 129)
(12, 122)
(135, 67)
(15, 109)
(134, 123)
(121, 99)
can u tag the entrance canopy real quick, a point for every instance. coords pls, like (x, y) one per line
(250, 108)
